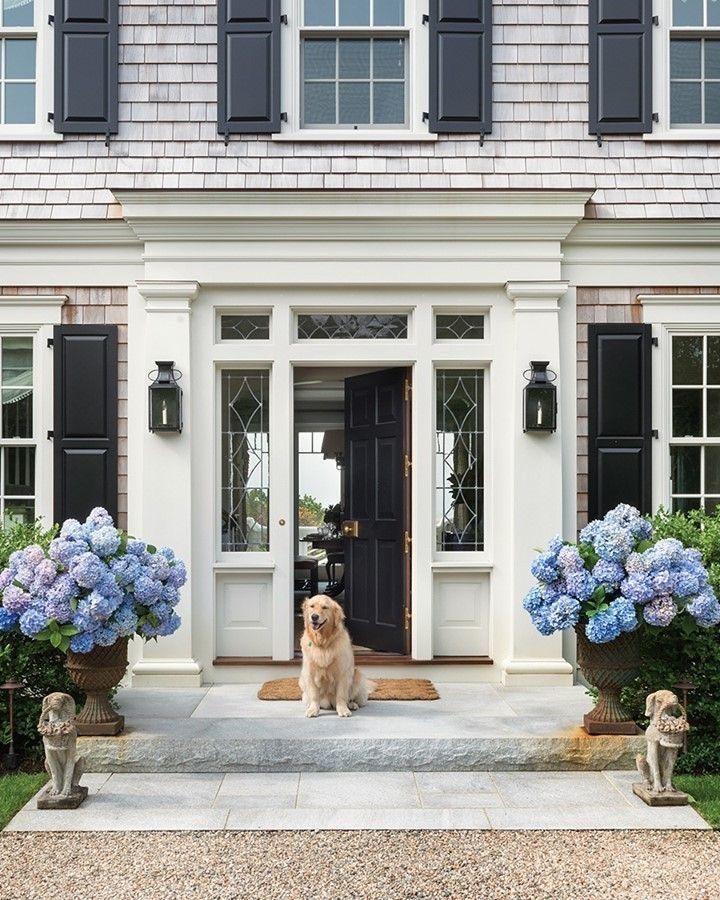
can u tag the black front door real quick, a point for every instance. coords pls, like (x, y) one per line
(374, 500)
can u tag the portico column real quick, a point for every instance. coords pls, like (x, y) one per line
(162, 514)
(536, 504)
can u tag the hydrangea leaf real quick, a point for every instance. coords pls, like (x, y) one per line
(151, 549)
(69, 630)
(56, 639)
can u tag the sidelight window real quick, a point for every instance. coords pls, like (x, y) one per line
(459, 459)
(695, 443)
(245, 460)
(17, 462)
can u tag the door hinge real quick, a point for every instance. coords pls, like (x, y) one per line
(655, 433)
(51, 343)
(407, 541)
(51, 435)
(51, 20)
(407, 464)
(655, 342)
(408, 616)
(407, 390)
(656, 20)
(656, 117)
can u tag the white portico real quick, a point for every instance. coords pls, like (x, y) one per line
(375, 261)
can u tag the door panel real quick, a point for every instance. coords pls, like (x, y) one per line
(374, 495)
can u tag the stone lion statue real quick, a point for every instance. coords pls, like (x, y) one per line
(57, 726)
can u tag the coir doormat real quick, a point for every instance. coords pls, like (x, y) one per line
(386, 689)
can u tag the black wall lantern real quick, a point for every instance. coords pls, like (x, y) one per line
(540, 410)
(165, 395)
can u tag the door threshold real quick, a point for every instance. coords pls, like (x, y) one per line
(362, 659)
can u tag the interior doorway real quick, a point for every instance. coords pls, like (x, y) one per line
(352, 476)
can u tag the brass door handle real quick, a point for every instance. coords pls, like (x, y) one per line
(350, 528)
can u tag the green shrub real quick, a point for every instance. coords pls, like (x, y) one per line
(685, 652)
(36, 664)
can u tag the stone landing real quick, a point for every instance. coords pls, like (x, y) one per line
(225, 728)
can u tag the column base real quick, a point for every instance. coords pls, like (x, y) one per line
(167, 673)
(537, 673)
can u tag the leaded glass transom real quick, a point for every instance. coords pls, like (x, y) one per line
(245, 327)
(459, 468)
(245, 460)
(459, 327)
(352, 326)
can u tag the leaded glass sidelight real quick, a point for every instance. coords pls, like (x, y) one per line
(245, 449)
(352, 326)
(459, 469)
(17, 456)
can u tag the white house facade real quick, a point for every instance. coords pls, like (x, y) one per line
(349, 242)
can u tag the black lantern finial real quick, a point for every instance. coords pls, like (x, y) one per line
(540, 409)
(165, 395)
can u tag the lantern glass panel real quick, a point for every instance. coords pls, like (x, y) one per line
(540, 408)
(165, 408)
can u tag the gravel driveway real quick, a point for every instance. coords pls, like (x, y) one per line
(423, 865)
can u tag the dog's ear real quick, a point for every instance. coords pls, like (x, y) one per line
(339, 613)
(650, 705)
(45, 705)
(69, 707)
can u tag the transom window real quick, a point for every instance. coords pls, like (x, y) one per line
(245, 327)
(695, 443)
(352, 326)
(354, 61)
(17, 462)
(18, 63)
(695, 63)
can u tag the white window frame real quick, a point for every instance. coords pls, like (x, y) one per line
(416, 128)
(42, 31)
(662, 34)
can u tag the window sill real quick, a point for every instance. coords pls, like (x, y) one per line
(684, 134)
(367, 137)
(37, 137)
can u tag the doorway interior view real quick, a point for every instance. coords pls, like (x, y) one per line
(352, 476)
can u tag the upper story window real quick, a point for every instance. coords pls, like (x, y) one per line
(25, 64)
(694, 64)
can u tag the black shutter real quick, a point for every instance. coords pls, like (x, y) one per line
(86, 414)
(86, 66)
(619, 417)
(620, 71)
(248, 66)
(461, 66)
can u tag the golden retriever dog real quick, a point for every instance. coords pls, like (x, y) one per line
(329, 678)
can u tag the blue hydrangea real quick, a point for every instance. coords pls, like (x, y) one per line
(106, 636)
(613, 543)
(169, 626)
(32, 622)
(624, 611)
(82, 643)
(98, 518)
(126, 569)
(33, 555)
(136, 548)
(178, 574)
(87, 570)
(65, 551)
(569, 559)
(16, 600)
(147, 590)
(687, 583)
(105, 541)
(110, 588)
(72, 530)
(705, 609)
(8, 620)
(550, 592)
(590, 531)
(542, 623)
(158, 567)
(6, 578)
(100, 607)
(82, 619)
(638, 590)
(63, 590)
(167, 553)
(125, 620)
(660, 612)
(544, 567)
(45, 575)
(534, 600)
(580, 585)
(609, 574)
(603, 627)
(564, 613)
(59, 610)
(170, 595)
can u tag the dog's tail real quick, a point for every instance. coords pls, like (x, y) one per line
(643, 768)
(361, 688)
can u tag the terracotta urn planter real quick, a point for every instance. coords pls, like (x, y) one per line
(609, 667)
(96, 673)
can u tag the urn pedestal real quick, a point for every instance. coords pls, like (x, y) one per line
(609, 667)
(96, 673)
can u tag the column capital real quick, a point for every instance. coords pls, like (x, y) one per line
(536, 296)
(168, 296)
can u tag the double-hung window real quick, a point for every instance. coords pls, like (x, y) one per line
(17, 433)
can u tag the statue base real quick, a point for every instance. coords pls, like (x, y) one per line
(663, 798)
(46, 800)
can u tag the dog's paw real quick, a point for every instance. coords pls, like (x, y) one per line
(312, 711)
(353, 705)
(344, 712)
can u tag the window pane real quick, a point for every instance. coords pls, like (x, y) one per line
(712, 59)
(457, 327)
(17, 413)
(713, 12)
(354, 59)
(354, 12)
(685, 504)
(712, 102)
(685, 108)
(354, 103)
(19, 471)
(19, 511)
(19, 104)
(687, 360)
(17, 362)
(388, 12)
(389, 103)
(319, 59)
(323, 326)
(687, 12)
(685, 59)
(245, 328)
(687, 413)
(713, 413)
(319, 12)
(685, 470)
(19, 59)
(245, 460)
(459, 459)
(319, 104)
(713, 360)
(389, 59)
(17, 13)
(712, 470)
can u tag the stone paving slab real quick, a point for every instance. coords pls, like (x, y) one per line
(353, 800)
